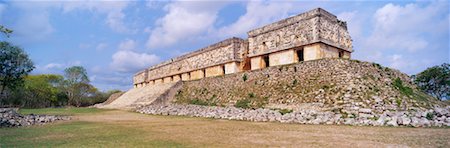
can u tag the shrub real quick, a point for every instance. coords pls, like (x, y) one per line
(430, 116)
(251, 95)
(399, 102)
(294, 82)
(261, 102)
(285, 111)
(198, 102)
(244, 77)
(244, 103)
(377, 65)
(405, 90)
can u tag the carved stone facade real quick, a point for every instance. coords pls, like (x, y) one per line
(312, 35)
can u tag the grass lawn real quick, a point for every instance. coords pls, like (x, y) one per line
(113, 128)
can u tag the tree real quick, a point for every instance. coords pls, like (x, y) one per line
(5, 30)
(76, 84)
(41, 90)
(435, 81)
(14, 66)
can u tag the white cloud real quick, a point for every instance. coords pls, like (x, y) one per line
(404, 27)
(101, 46)
(55, 68)
(128, 44)
(406, 37)
(184, 20)
(258, 13)
(354, 21)
(129, 61)
(115, 17)
(126, 60)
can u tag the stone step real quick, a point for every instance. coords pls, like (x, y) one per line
(137, 97)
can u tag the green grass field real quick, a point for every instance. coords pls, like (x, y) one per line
(76, 133)
(62, 111)
(91, 127)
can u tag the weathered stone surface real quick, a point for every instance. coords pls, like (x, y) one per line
(137, 97)
(301, 116)
(336, 83)
(10, 118)
(317, 33)
(227, 51)
(310, 27)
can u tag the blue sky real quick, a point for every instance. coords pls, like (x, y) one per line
(115, 39)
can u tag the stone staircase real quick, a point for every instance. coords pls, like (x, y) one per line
(138, 97)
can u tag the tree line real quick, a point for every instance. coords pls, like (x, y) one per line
(19, 89)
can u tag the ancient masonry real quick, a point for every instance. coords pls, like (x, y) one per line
(312, 35)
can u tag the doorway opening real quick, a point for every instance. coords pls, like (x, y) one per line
(223, 69)
(300, 55)
(204, 73)
(266, 61)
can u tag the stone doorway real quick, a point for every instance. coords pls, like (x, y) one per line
(266, 61)
(300, 55)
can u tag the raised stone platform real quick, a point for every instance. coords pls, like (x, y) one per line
(137, 97)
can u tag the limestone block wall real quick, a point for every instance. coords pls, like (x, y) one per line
(257, 63)
(230, 50)
(215, 71)
(318, 33)
(176, 78)
(158, 81)
(167, 79)
(185, 76)
(197, 74)
(282, 57)
(140, 77)
(232, 67)
(311, 27)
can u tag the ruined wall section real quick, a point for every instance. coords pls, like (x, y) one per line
(220, 53)
(140, 77)
(310, 27)
(334, 32)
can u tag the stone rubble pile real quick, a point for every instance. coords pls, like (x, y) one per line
(10, 118)
(421, 118)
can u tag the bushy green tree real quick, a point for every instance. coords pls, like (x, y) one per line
(77, 84)
(42, 91)
(435, 81)
(14, 66)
